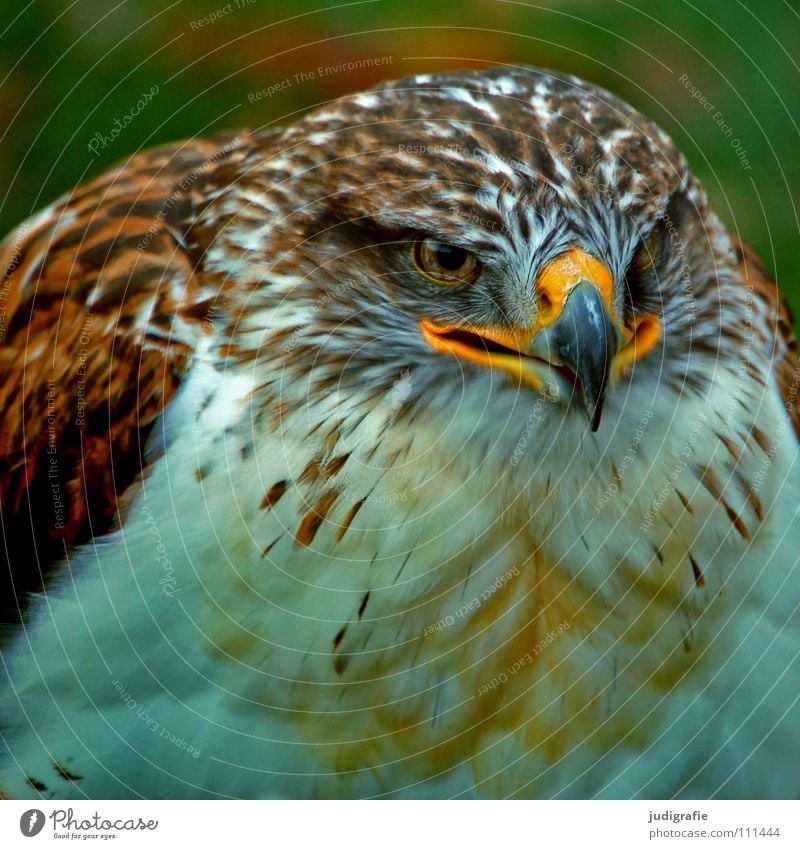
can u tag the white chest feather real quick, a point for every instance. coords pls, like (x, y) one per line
(287, 611)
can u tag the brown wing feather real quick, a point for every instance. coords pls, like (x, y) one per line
(786, 368)
(100, 306)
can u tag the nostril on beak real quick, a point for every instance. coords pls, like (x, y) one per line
(545, 305)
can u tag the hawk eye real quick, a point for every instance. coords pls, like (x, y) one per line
(445, 265)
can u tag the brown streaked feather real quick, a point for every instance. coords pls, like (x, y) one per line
(708, 478)
(98, 301)
(313, 519)
(274, 495)
(344, 527)
(786, 366)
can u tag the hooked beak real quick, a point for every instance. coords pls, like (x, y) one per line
(585, 340)
(577, 333)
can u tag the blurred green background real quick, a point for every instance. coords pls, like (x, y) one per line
(71, 71)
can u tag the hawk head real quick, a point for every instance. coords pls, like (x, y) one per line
(491, 241)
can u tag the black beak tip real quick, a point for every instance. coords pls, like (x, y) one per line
(595, 412)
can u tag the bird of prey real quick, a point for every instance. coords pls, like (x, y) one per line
(441, 444)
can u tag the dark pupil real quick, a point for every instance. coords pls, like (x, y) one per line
(450, 258)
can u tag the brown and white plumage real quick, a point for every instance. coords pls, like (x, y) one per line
(102, 302)
(334, 524)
